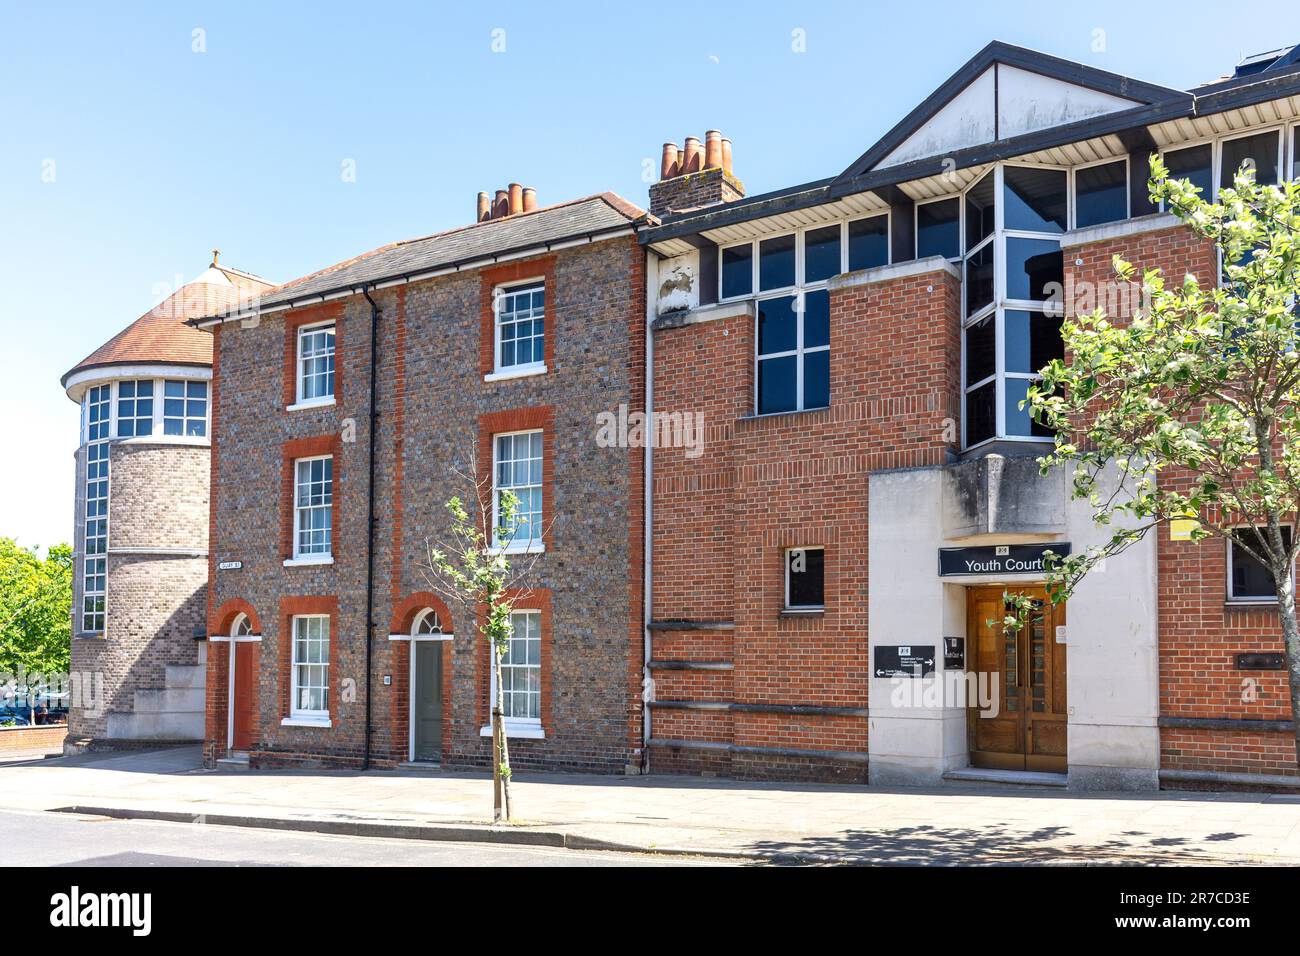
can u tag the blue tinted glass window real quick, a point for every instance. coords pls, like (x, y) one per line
(1194, 163)
(816, 318)
(869, 243)
(1101, 194)
(821, 253)
(778, 325)
(737, 271)
(938, 229)
(776, 263)
(777, 384)
(1034, 199)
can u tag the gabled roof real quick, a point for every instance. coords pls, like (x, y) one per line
(1152, 105)
(162, 337)
(1002, 92)
(477, 243)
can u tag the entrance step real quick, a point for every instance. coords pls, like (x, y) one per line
(233, 761)
(1016, 778)
(427, 765)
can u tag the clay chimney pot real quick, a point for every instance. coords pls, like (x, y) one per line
(713, 149)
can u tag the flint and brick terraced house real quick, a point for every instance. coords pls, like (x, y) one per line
(494, 348)
(855, 350)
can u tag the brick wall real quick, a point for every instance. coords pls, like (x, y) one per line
(1200, 634)
(693, 190)
(722, 522)
(432, 399)
(155, 601)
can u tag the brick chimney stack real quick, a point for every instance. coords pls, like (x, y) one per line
(694, 176)
(511, 201)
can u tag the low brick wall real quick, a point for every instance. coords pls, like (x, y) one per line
(14, 739)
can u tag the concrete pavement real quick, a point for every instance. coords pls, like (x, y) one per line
(960, 823)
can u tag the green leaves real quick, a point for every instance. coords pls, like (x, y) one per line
(1192, 397)
(35, 608)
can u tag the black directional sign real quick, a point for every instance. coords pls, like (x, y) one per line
(903, 660)
(999, 558)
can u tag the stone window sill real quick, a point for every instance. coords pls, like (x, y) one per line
(319, 722)
(519, 731)
(310, 403)
(323, 561)
(504, 375)
(803, 612)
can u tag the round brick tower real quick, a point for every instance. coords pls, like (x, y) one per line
(140, 545)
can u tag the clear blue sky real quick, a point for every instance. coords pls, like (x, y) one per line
(161, 153)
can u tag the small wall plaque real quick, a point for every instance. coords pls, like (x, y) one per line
(230, 565)
(1260, 662)
(954, 653)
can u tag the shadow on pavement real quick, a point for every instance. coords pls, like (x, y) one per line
(996, 846)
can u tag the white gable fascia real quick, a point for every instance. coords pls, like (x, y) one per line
(1028, 102)
(967, 120)
(1003, 102)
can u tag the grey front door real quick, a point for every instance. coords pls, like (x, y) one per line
(427, 700)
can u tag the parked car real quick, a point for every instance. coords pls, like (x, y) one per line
(15, 716)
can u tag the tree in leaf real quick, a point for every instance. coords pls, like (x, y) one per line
(35, 610)
(479, 571)
(1192, 405)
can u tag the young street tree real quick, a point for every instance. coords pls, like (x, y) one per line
(475, 572)
(1195, 402)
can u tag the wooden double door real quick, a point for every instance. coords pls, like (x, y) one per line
(1025, 671)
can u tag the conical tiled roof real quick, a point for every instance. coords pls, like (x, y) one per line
(161, 337)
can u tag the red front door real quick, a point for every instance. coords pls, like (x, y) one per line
(245, 653)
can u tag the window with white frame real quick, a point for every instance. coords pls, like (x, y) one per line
(310, 668)
(94, 578)
(1013, 278)
(517, 467)
(1295, 152)
(316, 363)
(938, 228)
(313, 507)
(807, 257)
(427, 622)
(1101, 193)
(1212, 165)
(1261, 153)
(520, 326)
(521, 670)
(185, 408)
(134, 408)
(1249, 580)
(805, 579)
(788, 274)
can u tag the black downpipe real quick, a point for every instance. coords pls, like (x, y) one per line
(375, 312)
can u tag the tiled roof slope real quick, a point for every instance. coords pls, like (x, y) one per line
(160, 336)
(569, 220)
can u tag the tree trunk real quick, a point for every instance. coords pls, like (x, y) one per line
(500, 747)
(1291, 641)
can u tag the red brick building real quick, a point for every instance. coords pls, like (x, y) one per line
(791, 567)
(826, 566)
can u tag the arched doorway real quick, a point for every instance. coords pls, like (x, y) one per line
(427, 641)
